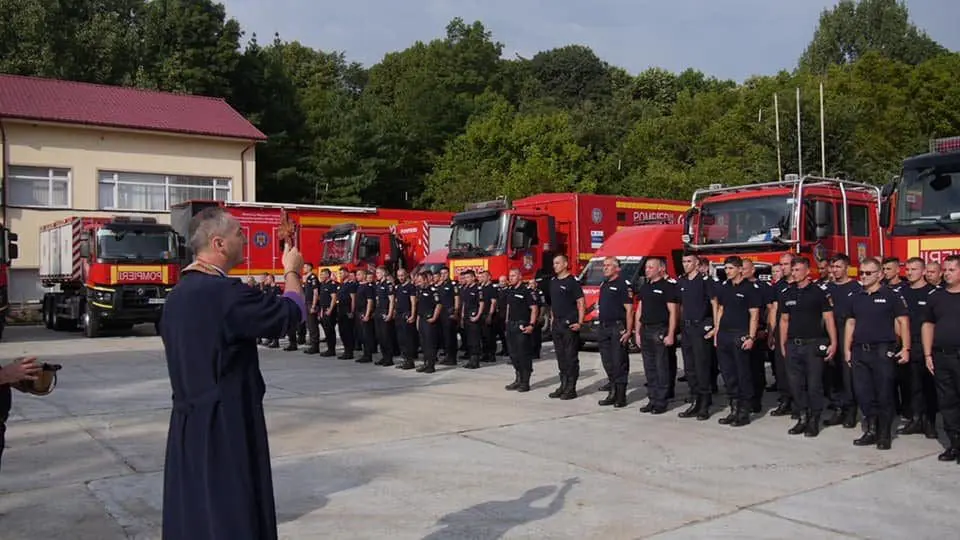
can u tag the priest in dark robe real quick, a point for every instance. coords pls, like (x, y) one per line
(217, 481)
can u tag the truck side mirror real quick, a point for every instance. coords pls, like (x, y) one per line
(822, 214)
(888, 188)
(85, 249)
(885, 214)
(10, 243)
(181, 248)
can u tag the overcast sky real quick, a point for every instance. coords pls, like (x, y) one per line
(727, 38)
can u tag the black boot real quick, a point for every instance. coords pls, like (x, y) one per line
(850, 417)
(813, 425)
(783, 409)
(610, 399)
(312, 350)
(524, 382)
(835, 419)
(952, 453)
(801, 424)
(743, 416)
(914, 426)
(930, 427)
(870, 435)
(732, 416)
(693, 409)
(605, 387)
(516, 381)
(430, 367)
(620, 395)
(704, 412)
(560, 389)
(473, 363)
(407, 364)
(884, 433)
(571, 390)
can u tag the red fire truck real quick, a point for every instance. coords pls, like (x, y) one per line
(8, 252)
(815, 217)
(328, 236)
(921, 210)
(111, 272)
(631, 246)
(498, 236)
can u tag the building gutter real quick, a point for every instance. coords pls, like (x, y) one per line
(243, 172)
(3, 173)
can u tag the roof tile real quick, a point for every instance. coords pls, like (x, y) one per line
(52, 100)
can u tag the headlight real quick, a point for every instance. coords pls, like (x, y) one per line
(102, 297)
(164, 291)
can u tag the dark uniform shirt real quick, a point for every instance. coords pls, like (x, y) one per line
(448, 291)
(470, 299)
(875, 314)
(502, 296)
(654, 297)
(695, 296)
(343, 294)
(564, 294)
(384, 290)
(780, 288)
(917, 307)
(328, 289)
(488, 293)
(943, 310)
(310, 286)
(768, 295)
(806, 306)
(364, 292)
(842, 296)
(521, 301)
(737, 301)
(614, 295)
(427, 300)
(404, 292)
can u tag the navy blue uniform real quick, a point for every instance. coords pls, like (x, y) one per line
(655, 298)
(943, 311)
(382, 324)
(520, 303)
(448, 291)
(470, 299)
(873, 351)
(761, 353)
(737, 300)
(612, 314)
(427, 301)
(326, 295)
(366, 330)
(217, 476)
(916, 386)
(564, 295)
(488, 340)
(806, 346)
(696, 317)
(500, 318)
(346, 317)
(311, 287)
(780, 288)
(839, 375)
(536, 340)
(406, 331)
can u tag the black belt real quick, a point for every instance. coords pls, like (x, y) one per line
(185, 406)
(803, 341)
(611, 323)
(872, 346)
(946, 350)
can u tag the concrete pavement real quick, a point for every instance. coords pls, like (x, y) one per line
(361, 451)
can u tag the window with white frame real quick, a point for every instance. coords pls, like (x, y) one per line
(157, 192)
(44, 187)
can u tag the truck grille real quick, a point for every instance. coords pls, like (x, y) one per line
(139, 296)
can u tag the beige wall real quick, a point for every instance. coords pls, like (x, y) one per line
(86, 151)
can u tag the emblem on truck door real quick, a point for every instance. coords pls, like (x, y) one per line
(596, 215)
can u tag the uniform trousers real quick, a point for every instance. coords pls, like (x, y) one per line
(6, 402)
(429, 337)
(873, 379)
(367, 333)
(565, 344)
(656, 363)
(347, 331)
(488, 340)
(805, 370)
(697, 360)
(329, 325)
(946, 373)
(613, 353)
(385, 335)
(780, 369)
(735, 365)
(521, 351)
(313, 328)
(406, 336)
(448, 336)
(920, 393)
(839, 374)
(472, 331)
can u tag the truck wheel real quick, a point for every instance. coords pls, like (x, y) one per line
(48, 312)
(91, 323)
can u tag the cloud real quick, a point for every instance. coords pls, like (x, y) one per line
(729, 38)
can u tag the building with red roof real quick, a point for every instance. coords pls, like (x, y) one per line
(71, 148)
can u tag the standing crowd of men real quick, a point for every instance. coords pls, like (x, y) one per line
(882, 345)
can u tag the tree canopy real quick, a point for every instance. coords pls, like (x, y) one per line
(450, 121)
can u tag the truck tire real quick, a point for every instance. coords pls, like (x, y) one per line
(48, 311)
(91, 323)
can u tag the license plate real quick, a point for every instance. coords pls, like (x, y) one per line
(156, 300)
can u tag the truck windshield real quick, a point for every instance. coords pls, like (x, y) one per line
(479, 237)
(630, 270)
(745, 221)
(136, 245)
(338, 249)
(930, 195)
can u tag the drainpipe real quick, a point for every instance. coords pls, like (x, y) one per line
(243, 172)
(3, 173)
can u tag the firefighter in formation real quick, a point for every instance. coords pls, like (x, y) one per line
(841, 349)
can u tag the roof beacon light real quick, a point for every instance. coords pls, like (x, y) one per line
(945, 145)
(497, 204)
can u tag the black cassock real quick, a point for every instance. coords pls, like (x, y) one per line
(217, 478)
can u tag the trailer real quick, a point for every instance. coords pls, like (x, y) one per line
(108, 272)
